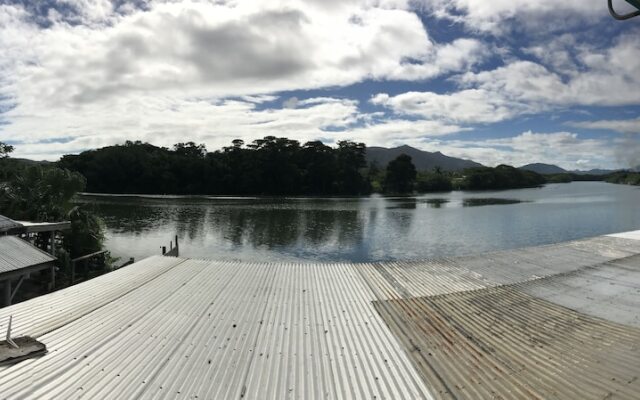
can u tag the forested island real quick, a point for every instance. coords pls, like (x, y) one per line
(273, 166)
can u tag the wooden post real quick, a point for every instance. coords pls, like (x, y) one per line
(52, 239)
(6, 295)
(177, 250)
(86, 269)
(164, 249)
(73, 272)
(53, 278)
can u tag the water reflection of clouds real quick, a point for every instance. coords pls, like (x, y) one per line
(365, 229)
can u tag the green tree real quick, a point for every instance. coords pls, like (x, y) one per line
(45, 194)
(401, 175)
(500, 177)
(436, 181)
(190, 149)
(319, 168)
(5, 149)
(350, 162)
(39, 193)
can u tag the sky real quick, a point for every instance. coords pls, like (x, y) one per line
(501, 81)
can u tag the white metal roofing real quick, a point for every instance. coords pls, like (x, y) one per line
(30, 226)
(215, 330)
(177, 328)
(16, 254)
(627, 235)
(7, 224)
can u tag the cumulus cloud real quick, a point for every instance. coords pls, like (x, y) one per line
(100, 71)
(466, 106)
(631, 126)
(565, 149)
(601, 77)
(217, 49)
(503, 16)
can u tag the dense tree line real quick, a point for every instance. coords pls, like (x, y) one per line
(272, 166)
(268, 166)
(567, 177)
(624, 177)
(500, 177)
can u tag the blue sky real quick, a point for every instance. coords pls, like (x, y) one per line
(503, 81)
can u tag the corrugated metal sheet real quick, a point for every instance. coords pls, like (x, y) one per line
(212, 330)
(16, 254)
(44, 314)
(512, 266)
(503, 344)
(177, 328)
(7, 224)
(610, 290)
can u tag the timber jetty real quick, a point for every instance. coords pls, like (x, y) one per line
(558, 321)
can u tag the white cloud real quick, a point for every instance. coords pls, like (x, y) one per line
(216, 49)
(589, 76)
(459, 55)
(502, 16)
(565, 149)
(605, 77)
(466, 106)
(101, 74)
(619, 125)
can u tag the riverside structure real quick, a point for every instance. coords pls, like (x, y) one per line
(558, 321)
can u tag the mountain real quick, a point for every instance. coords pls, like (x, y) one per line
(543, 169)
(546, 169)
(595, 172)
(423, 160)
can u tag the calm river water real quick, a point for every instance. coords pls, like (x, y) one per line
(365, 229)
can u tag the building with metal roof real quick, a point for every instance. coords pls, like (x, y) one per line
(7, 224)
(29, 230)
(534, 323)
(18, 259)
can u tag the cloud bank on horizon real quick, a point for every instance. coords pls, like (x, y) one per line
(505, 81)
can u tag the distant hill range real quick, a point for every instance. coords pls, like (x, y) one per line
(423, 160)
(546, 169)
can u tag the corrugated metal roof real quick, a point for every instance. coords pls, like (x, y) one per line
(609, 290)
(176, 328)
(7, 224)
(502, 343)
(221, 330)
(16, 254)
(29, 226)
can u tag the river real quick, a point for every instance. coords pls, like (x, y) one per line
(363, 229)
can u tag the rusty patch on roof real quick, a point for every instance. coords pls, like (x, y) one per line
(502, 343)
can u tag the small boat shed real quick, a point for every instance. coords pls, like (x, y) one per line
(18, 259)
(28, 229)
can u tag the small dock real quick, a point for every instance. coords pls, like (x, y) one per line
(560, 321)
